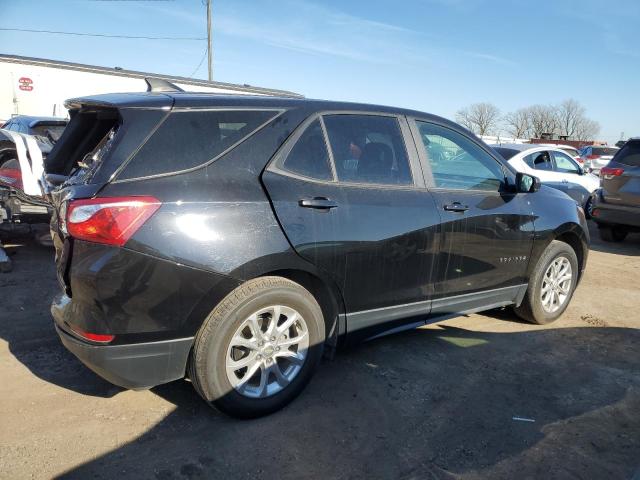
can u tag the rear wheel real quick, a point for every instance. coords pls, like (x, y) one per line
(551, 285)
(258, 348)
(612, 234)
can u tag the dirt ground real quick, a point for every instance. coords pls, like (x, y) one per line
(437, 402)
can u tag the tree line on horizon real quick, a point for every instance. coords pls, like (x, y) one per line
(567, 119)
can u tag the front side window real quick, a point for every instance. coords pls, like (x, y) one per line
(368, 149)
(564, 163)
(457, 162)
(539, 161)
(309, 156)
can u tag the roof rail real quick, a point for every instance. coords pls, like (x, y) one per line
(160, 85)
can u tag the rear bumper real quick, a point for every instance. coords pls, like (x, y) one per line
(135, 366)
(610, 214)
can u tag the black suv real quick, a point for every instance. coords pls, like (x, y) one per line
(616, 205)
(233, 239)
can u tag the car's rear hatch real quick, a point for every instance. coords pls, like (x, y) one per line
(621, 177)
(104, 132)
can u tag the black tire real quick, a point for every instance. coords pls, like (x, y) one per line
(207, 363)
(588, 208)
(612, 234)
(531, 308)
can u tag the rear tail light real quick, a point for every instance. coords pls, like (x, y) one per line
(593, 157)
(11, 177)
(94, 337)
(609, 173)
(109, 220)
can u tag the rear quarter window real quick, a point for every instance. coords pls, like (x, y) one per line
(188, 139)
(629, 154)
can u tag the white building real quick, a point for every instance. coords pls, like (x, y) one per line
(35, 86)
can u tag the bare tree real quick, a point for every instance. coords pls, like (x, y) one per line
(481, 118)
(543, 119)
(586, 129)
(570, 117)
(517, 123)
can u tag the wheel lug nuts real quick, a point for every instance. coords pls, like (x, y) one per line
(277, 349)
(259, 356)
(273, 339)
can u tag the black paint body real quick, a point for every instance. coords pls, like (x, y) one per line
(383, 258)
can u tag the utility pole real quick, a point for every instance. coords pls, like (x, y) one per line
(209, 45)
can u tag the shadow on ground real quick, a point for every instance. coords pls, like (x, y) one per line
(428, 403)
(630, 246)
(423, 404)
(27, 326)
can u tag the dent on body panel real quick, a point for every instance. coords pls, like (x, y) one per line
(124, 291)
(215, 236)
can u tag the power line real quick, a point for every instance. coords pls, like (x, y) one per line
(206, 50)
(81, 34)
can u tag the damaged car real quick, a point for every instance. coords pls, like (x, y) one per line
(231, 240)
(24, 145)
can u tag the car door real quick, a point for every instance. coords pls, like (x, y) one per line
(574, 183)
(351, 199)
(487, 228)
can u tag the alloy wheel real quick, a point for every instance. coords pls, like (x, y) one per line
(267, 351)
(556, 285)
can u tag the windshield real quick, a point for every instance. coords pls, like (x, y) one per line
(571, 151)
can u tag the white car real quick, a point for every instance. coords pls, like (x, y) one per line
(572, 151)
(553, 167)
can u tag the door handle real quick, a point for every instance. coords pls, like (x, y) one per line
(456, 207)
(319, 203)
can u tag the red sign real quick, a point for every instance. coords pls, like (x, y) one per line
(25, 83)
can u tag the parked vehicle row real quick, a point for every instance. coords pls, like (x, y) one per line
(554, 167)
(234, 239)
(616, 206)
(24, 144)
(595, 157)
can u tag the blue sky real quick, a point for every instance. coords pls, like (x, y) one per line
(431, 55)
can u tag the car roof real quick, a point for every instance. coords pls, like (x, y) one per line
(32, 120)
(557, 145)
(520, 147)
(167, 100)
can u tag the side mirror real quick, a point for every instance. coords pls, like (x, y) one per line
(527, 183)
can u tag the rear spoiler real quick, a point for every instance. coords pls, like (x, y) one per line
(57, 123)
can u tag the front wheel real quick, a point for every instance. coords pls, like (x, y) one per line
(258, 348)
(551, 285)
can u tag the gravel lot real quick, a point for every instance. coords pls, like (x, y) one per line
(437, 402)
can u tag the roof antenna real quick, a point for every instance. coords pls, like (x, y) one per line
(160, 85)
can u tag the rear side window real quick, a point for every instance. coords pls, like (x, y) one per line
(368, 149)
(629, 154)
(192, 138)
(539, 161)
(603, 151)
(309, 157)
